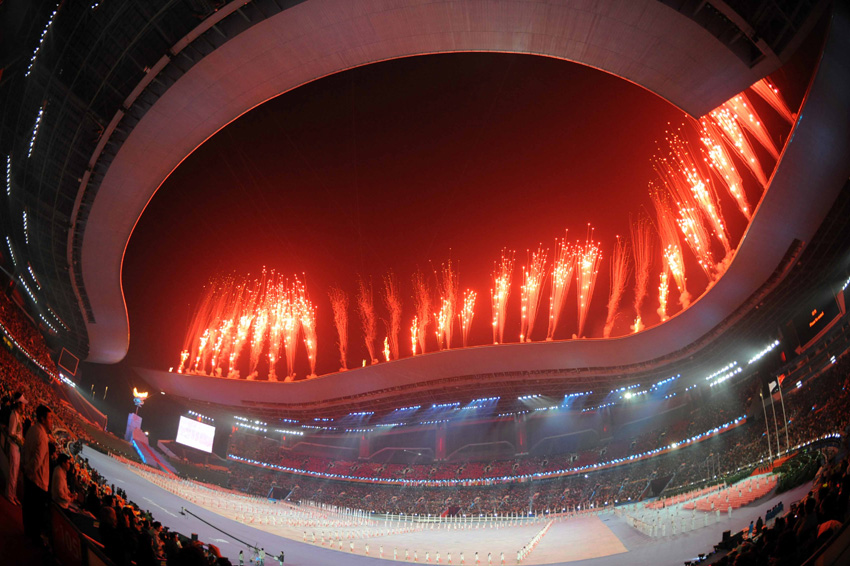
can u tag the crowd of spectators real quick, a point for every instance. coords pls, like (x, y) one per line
(809, 524)
(23, 331)
(16, 377)
(52, 469)
(820, 407)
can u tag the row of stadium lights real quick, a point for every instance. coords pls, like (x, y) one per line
(626, 392)
(200, 416)
(537, 475)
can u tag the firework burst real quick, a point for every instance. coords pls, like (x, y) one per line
(663, 291)
(721, 163)
(366, 309)
(339, 305)
(747, 116)
(619, 277)
(734, 136)
(422, 302)
(690, 184)
(562, 278)
(448, 284)
(771, 95)
(671, 249)
(307, 317)
(587, 269)
(533, 277)
(466, 315)
(500, 292)
(392, 301)
(642, 248)
(414, 334)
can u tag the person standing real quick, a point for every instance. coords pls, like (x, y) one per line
(241, 558)
(36, 467)
(16, 442)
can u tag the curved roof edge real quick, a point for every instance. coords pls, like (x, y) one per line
(642, 41)
(812, 170)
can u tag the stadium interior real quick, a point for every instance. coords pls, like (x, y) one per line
(699, 419)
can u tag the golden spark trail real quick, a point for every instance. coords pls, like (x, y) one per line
(275, 327)
(562, 277)
(422, 301)
(387, 355)
(392, 300)
(689, 217)
(291, 322)
(721, 163)
(747, 116)
(500, 292)
(619, 277)
(339, 305)
(307, 314)
(733, 135)
(587, 270)
(663, 290)
(467, 314)
(684, 175)
(671, 249)
(366, 308)
(448, 284)
(771, 95)
(184, 355)
(414, 334)
(260, 326)
(642, 248)
(532, 284)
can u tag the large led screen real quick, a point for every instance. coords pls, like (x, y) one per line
(195, 435)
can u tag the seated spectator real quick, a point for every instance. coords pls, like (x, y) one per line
(59, 491)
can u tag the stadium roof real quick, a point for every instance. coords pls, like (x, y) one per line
(101, 103)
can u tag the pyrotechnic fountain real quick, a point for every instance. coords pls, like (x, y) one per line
(422, 300)
(500, 292)
(466, 315)
(642, 248)
(392, 301)
(339, 304)
(257, 318)
(532, 285)
(587, 269)
(447, 282)
(366, 308)
(619, 278)
(562, 278)
(771, 95)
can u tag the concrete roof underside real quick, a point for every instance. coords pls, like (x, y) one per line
(643, 42)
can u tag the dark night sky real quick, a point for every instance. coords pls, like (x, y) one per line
(400, 165)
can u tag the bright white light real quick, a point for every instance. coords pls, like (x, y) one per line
(11, 251)
(45, 321)
(8, 175)
(27, 289)
(40, 42)
(764, 352)
(195, 435)
(35, 130)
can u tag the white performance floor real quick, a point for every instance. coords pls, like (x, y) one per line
(233, 522)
